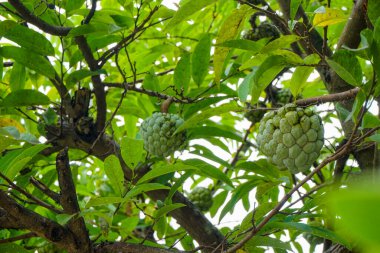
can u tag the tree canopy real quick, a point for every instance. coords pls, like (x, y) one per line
(135, 126)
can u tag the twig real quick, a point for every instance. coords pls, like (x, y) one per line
(43, 188)
(336, 97)
(91, 13)
(30, 196)
(18, 238)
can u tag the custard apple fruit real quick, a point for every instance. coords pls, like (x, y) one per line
(291, 137)
(253, 114)
(158, 134)
(201, 197)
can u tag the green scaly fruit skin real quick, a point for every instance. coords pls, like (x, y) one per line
(201, 197)
(158, 131)
(253, 114)
(291, 137)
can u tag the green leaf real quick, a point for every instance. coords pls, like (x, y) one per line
(206, 114)
(228, 31)
(373, 8)
(358, 207)
(165, 169)
(12, 248)
(209, 131)
(375, 137)
(29, 59)
(200, 59)
(182, 73)
(14, 162)
(132, 151)
(252, 46)
(329, 16)
(186, 11)
(98, 28)
(114, 172)
(209, 170)
(166, 209)
(282, 42)
(18, 77)
(138, 189)
(6, 142)
(26, 38)
(73, 5)
(25, 98)
(151, 81)
(294, 5)
(238, 194)
(63, 218)
(265, 74)
(343, 73)
(177, 185)
(100, 201)
(317, 231)
(299, 78)
(370, 121)
(245, 87)
(81, 74)
(266, 241)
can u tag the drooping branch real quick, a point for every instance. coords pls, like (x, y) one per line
(29, 17)
(69, 202)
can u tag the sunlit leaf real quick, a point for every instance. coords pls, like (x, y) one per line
(228, 31)
(186, 11)
(132, 151)
(329, 16)
(25, 98)
(200, 59)
(182, 73)
(29, 59)
(26, 38)
(114, 172)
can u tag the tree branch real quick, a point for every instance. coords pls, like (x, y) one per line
(69, 201)
(101, 105)
(29, 17)
(121, 247)
(336, 97)
(38, 224)
(18, 238)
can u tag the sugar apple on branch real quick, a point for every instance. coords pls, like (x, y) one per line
(201, 197)
(158, 134)
(291, 137)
